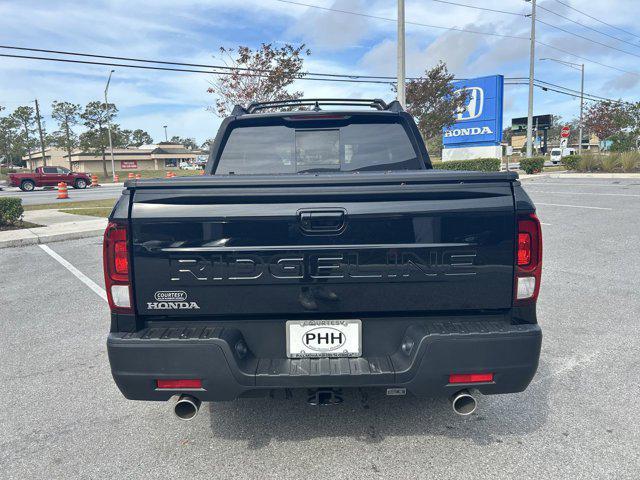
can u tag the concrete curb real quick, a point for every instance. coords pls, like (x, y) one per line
(54, 233)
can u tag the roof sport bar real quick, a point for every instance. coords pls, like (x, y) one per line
(376, 103)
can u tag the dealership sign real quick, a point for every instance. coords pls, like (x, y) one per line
(128, 164)
(480, 122)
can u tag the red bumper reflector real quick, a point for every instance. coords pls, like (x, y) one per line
(175, 384)
(470, 377)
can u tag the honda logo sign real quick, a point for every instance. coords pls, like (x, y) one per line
(479, 123)
(474, 105)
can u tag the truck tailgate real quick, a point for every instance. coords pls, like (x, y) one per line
(258, 246)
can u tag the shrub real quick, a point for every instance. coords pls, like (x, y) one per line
(629, 161)
(589, 163)
(571, 162)
(479, 165)
(10, 210)
(610, 163)
(532, 165)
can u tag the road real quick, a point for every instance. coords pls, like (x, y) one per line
(63, 417)
(41, 196)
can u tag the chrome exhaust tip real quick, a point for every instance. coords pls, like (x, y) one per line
(187, 407)
(464, 403)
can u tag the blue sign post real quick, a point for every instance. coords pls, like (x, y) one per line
(480, 124)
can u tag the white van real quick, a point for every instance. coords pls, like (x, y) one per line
(557, 154)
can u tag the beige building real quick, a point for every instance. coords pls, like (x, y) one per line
(519, 142)
(161, 156)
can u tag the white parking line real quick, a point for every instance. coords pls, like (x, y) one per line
(584, 193)
(79, 275)
(573, 206)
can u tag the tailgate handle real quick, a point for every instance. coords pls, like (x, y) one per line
(322, 221)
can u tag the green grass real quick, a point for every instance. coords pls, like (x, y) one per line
(92, 212)
(555, 168)
(60, 205)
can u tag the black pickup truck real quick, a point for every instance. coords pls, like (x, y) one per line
(322, 252)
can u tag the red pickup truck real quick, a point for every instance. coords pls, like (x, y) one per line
(48, 177)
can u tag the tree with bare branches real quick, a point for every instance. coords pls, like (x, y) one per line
(432, 100)
(259, 75)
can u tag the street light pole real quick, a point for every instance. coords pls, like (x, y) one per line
(166, 137)
(532, 52)
(575, 66)
(401, 56)
(106, 110)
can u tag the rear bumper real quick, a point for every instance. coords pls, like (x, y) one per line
(426, 357)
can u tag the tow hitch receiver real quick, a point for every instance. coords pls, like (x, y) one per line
(324, 396)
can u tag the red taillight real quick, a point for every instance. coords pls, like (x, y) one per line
(116, 267)
(528, 259)
(178, 384)
(470, 377)
(524, 249)
(121, 258)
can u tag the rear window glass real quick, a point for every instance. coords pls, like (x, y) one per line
(348, 148)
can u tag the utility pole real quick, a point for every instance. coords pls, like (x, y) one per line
(106, 110)
(532, 59)
(401, 56)
(581, 108)
(44, 159)
(166, 138)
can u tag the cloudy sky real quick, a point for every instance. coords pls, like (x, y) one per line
(193, 30)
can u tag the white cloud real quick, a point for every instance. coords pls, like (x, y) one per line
(191, 31)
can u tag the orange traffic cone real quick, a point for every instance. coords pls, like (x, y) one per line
(202, 172)
(94, 181)
(131, 175)
(168, 175)
(63, 191)
(138, 176)
(116, 178)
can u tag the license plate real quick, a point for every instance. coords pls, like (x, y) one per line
(324, 338)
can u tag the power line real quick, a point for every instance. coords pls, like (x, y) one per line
(587, 97)
(572, 90)
(302, 76)
(184, 64)
(587, 38)
(586, 59)
(376, 17)
(587, 26)
(480, 8)
(597, 19)
(509, 80)
(460, 30)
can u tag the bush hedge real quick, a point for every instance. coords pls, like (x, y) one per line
(571, 162)
(532, 165)
(590, 162)
(10, 210)
(479, 165)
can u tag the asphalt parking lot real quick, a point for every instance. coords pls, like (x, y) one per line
(64, 417)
